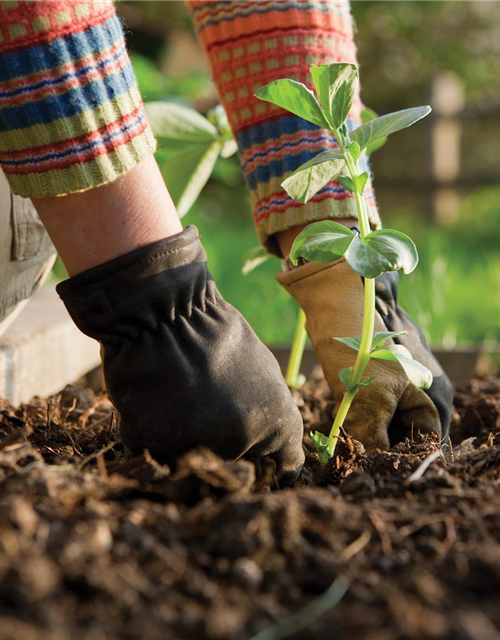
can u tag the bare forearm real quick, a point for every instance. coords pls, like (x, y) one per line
(74, 136)
(96, 226)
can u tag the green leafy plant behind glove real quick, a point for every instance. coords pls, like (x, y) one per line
(193, 145)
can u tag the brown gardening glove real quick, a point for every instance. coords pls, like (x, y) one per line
(331, 296)
(182, 366)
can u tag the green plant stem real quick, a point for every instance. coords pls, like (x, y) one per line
(363, 356)
(299, 341)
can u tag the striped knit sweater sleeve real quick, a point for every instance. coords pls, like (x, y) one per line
(71, 116)
(251, 43)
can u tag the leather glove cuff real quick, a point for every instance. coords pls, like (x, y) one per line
(122, 294)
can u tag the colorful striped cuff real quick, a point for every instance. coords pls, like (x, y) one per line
(250, 44)
(71, 116)
(274, 149)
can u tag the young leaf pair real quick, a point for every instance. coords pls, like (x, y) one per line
(416, 373)
(379, 251)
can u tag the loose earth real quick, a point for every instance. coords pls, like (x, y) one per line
(96, 545)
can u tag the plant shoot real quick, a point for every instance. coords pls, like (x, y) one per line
(369, 253)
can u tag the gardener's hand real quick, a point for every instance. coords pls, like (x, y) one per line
(182, 366)
(392, 408)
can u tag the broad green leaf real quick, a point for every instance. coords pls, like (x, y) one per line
(366, 115)
(199, 178)
(294, 97)
(347, 183)
(187, 173)
(252, 259)
(335, 85)
(322, 242)
(382, 251)
(379, 128)
(312, 176)
(321, 443)
(179, 163)
(355, 150)
(396, 246)
(345, 376)
(365, 260)
(177, 122)
(417, 374)
(361, 182)
(381, 336)
(367, 383)
(172, 148)
(352, 343)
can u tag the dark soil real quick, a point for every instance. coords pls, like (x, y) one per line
(96, 545)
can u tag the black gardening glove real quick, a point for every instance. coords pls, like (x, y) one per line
(182, 366)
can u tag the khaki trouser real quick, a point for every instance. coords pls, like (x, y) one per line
(26, 252)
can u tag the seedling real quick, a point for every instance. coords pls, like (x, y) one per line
(369, 253)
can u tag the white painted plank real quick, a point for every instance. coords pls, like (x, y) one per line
(43, 350)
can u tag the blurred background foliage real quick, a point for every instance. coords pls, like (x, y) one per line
(405, 47)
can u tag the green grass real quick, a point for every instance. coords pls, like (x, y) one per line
(454, 294)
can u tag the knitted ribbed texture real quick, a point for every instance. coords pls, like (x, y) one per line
(251, 43)
(71, 116)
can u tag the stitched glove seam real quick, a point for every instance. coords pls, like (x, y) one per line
(108, 278)
(147, 261)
